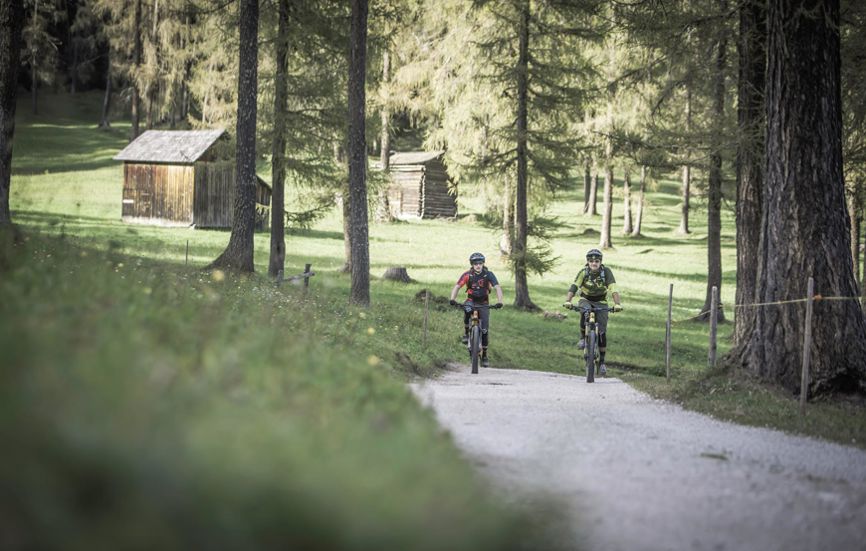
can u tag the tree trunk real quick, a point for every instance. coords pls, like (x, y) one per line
(638, 217)
(11, 26)
(136, 68)
(277, 261)
(627, 226)
(358, 155)
(587, 185)
(714, 183)
(593, 193)
(607, 214)
(153, 85)
(73, 69)
(34, 60)
(383, 209)
(687, 170)
(803, 183)
(521, 286)
(106, 99)
(505, 244)
(752, 51)
(239, 252)
(854, 213)
(347, 229)
(397, 273)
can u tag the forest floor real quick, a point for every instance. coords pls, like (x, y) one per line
(630, 472)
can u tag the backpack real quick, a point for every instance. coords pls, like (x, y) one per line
(479, 285)
(601, 274)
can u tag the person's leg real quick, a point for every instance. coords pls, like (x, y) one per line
(582, 303)
(484, 314)
(601, 320)
(466, 316)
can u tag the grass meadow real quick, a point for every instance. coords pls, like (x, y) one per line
(144, 396)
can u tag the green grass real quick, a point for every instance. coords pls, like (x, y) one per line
(125, 358)
(147, 402)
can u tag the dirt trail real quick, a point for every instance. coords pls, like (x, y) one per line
(635, 473)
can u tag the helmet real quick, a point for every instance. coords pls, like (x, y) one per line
(593, 253)
(476, 257)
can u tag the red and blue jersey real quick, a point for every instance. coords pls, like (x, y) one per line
(478, 285)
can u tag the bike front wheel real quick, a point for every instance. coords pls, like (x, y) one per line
(590, 356)
(475, 348)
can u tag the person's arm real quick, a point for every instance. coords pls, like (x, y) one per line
(617, 301)
(498, 294)
(454, 292)
(578, 281)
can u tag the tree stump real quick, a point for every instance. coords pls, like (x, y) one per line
(397, 273)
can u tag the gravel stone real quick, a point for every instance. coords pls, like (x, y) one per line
(629, 472)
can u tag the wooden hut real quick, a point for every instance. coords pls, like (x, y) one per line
(180, 178)
(420, 187)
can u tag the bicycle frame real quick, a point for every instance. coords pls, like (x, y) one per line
(474, 343)
(590, 354)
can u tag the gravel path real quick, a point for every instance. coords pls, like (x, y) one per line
(634, 473)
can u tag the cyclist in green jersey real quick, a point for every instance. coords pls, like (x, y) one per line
(594, 282)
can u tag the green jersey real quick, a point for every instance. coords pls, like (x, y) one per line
(594, 286)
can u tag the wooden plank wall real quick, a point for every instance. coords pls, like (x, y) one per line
(159, 193)
(436, 201)
(214, 194)
(421, 191)
(404, 193)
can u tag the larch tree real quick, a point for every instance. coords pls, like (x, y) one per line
(238, 255)
(40, 44)
(357, 154)
(752, 48)
(714, 180)
(507, 81)
(135, 91)
(11, 26)
(803, 182)
(277, 259)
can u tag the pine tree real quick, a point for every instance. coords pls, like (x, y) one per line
(505, 80)
(238, 255)
(360, 293)
(40, 44)
(804, 146)
(11, 26)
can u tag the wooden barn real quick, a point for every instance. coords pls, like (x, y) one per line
(181, 178)
(420, 187)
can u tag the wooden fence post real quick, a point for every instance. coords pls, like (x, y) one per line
(807, 347)
(307, 277)
(668, 334)
(426, 313)
(714, 315)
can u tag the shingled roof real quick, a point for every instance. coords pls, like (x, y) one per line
(414, 157)
(169, 146)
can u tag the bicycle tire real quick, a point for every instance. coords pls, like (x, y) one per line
(475, 348)
(590, 357)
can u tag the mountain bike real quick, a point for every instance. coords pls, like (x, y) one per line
(590, 352)
(473, 345)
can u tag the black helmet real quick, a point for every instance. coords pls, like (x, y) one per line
(476, 257)
(593, 253)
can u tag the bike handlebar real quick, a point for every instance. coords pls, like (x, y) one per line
(589, 308)
(463, 305)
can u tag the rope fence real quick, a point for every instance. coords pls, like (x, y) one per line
(716, 305)
(815, 298)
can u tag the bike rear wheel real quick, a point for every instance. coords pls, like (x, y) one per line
(475, 348)
(590, 356)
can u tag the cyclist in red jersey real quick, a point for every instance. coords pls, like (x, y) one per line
(478, 281)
